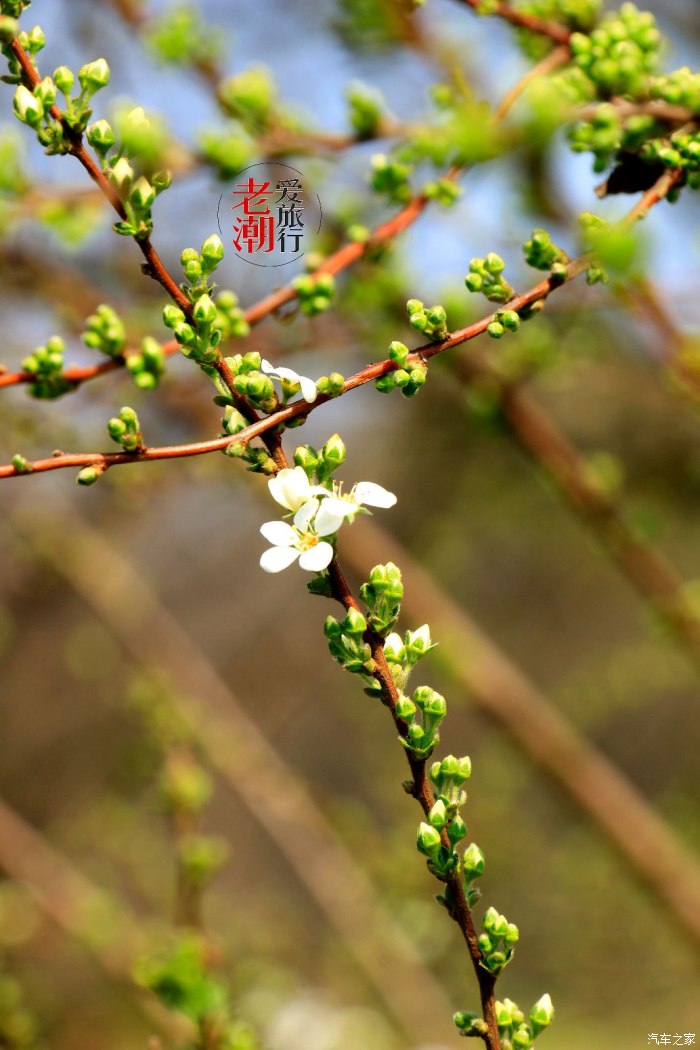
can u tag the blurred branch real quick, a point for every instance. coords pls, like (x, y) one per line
(589, 779)
(646, 567)
(107, 930)
(237, 748)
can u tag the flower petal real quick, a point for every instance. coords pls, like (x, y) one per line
(328, 520)
(288, 374)
(267, 368)
(308, 389)
(373, 495)
(316, 558)
(277, 558)
(303, 516)
(279, 533)
(290, 487)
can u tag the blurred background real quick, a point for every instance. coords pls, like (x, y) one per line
(137, 605)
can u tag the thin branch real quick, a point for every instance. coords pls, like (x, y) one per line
(557, 33)
(68, 898)
(298, 409)
(587, 777)
(237, 748)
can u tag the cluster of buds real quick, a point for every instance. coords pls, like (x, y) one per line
(46, 367)
(383, 594)
(315, 294)
(408, 377)
(542, 254)
(430, 321)
(621, 53)
(486, 276)
(125, 430)
(34, 107)
(390, 177)
(147, 365)
(105, 331)
(515, 1031)
(137, 195)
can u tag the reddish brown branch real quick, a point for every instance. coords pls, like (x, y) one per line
(558, 33)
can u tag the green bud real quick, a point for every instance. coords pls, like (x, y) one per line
(512, 935)
(473, 862)
(542, 1014)
(88, 475)
(213, 251)
(333, 451)
(172, 315)
(464, 1019)
(204, 311)
(121, 174)
(521, 1038)
(495, 330)
(428, 840)
(438, 815)
(46, 91)
(64, 79)
(101, 136)
(93, 76)
(142, 195)
(28, 108)
(405, 708)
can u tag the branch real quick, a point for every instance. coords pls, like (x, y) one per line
(557, 33)
(219, 721)
(297, 410)
(587, 777)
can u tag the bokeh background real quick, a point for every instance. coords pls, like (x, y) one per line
(145, 589)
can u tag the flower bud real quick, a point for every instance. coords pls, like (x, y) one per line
(213, 250)
(354, 623)
(405, 708)
(46, 91)
(121, 174)
(204, 311)
(142, 195)
(93, 76)
(334, 451)
(521, 1038)
(27, 106)
(100, 136)
(88, 475)
(473, 862)
(172, 315)
(542, 1014)
(438, 815)
(428, 840)
(64, 79)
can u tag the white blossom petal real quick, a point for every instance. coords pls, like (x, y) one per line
(303, 516)
(422, 634)
(329, 518)
(290, 487)
(372, 495)
(279, 533)
(277, 558)
(308, 389)
(317, 558)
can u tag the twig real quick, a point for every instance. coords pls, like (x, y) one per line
(586, 776)
(109, 583)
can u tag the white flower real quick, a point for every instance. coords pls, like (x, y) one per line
(308, 386)
(337, 507)
(302, 540)
(291, 488)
